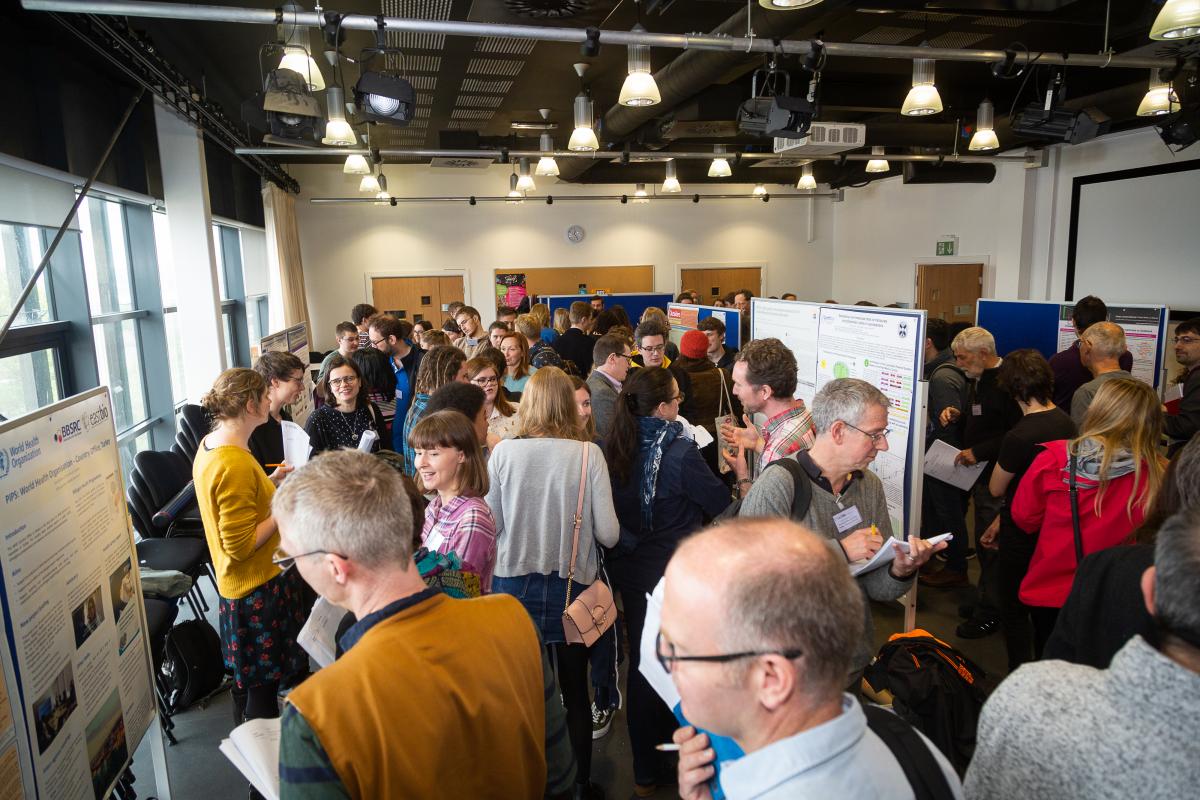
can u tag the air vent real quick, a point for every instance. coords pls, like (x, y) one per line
(478, 101)
(509, 47)
(494, 66)
(958, 39)
(547, 9)
(888, 34)
(461, 163)
(824, 138)
(486, 87)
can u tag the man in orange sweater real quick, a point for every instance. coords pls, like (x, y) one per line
(433, 697)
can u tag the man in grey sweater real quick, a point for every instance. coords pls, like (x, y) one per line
(1100, 349)
(848, 506)
(1055, 729)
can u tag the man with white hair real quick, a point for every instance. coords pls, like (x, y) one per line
(390, 717)
(848, 506)
(1100, 349)
(760, 623)
(1055, 729)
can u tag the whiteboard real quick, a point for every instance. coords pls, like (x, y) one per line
(1135, 237)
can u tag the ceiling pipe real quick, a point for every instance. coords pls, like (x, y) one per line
(760, 43)
(551, 199)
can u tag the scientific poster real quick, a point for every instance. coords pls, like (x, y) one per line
(510, 288)
(1143, 328)
(72, 602)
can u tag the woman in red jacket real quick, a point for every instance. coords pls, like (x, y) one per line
(1117, 471)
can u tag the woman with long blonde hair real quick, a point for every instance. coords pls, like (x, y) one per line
(535, 483)
(1117, 471)
(562, 321)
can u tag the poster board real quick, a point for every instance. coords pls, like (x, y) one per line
(634, 304)
(77, 663)
(294, 340)
(1046, 327)
(687, 317)
(883, 346)
(510, 289)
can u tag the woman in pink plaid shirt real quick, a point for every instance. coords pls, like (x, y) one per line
(450, 462)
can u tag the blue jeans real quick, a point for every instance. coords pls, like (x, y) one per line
(544, 597)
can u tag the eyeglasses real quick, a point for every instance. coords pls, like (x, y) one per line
(485, 381)
(874, 437)
(281, 559)
(1186, 340)
(626, 356)
(656, 349)
(679, 398)
(349, 380)
(669, 658)
(376, 342)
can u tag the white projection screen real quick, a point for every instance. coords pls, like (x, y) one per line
(1135, 236)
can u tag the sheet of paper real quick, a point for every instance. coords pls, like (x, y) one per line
(253, 747)
(367, 441)
(885, 554)
(318, 634)
(651, 670)
(697, 433)
(296, 444)
(939, 463)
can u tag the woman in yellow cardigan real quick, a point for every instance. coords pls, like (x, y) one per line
(261, 610)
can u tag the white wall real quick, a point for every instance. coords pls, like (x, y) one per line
(342, 245)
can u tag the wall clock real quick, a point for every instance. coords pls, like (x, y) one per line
(575, 234)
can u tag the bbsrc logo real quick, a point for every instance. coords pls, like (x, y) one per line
(69, 430)
(903, 329)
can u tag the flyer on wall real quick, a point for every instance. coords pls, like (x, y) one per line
(72, 599)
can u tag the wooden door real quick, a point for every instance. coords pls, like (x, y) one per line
(712, 282)
(949, 291)
(417, 298)
(567, 280)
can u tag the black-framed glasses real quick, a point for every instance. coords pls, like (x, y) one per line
(875, 438)
(349, 380)
(281, 559)
(658, 348)
(1186, 340)
(667, 659)
(485, 381)
(376, 342)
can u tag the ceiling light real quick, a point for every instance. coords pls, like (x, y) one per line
(759, 189)
(369, 183)
(807, 181)
(295, 50)
(514, 194)
(639, 194)
(1160, 98)
(878, 164)
(923, 98)
(639, 88)
(671, 184)
(787, 5)
(380, 97)
(1179, 19)
(382, 194)
(984, 137)
(546, 165)
(524, 179)
(356, 165)
(583, 138)
(338, 132)
(719, 168)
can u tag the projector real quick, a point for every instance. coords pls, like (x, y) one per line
(1061, 124)
(789, 117)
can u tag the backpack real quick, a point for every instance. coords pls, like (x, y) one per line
(801, 496)
(192, 666)
(935, 688)
(912, 753)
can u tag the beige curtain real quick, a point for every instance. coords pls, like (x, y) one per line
(283, 242)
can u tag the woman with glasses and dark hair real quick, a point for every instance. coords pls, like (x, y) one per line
(284, 374)
(348, 412)
(662, 491)
(501, 414)
(261, 609)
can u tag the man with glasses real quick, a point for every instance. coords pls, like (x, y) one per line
(386, 719)
(1183, 420)
(473, 338)
(346, 335)
(848, 506)
(760, 623)
(610, 359)
(764, 380)
(390, 336)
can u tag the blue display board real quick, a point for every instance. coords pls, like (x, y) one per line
(634, 304)
(1046, 327)
(686, 317)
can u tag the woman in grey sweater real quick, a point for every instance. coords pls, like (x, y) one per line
(534, 482)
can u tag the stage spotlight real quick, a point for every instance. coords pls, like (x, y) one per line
(380, 97)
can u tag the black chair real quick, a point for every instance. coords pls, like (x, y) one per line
(166, 478)
(194, 425)
(160, 616)
(181, 554)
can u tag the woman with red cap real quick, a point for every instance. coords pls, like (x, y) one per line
(709, 393)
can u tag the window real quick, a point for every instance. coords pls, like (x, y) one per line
(28, 382)
(166, 282)
(21, 250)
(105, 258)
(258, 318)
(118, 356)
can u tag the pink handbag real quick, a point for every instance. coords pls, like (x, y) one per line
(594, 611)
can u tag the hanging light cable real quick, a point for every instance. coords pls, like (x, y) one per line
(338, 132)
(671, 184)
(1160, 98)
(639, 88)
(807, 181)
(878, 164)
(719, 168)
(583, 139)
(295, 48)
(524, 179)
(1179, 19)
(984, 137)
(923, 98)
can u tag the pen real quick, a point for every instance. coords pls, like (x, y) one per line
(874, 530)
(273, 465)
(667, 747)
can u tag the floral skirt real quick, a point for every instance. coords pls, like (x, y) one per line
(258, 633)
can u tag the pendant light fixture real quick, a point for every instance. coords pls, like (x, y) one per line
(1160, 98)
(923, 98)
(514, 194)
(369, 183)
(524, 179)
(639, 88)
(787, 5)
(759, 190)
(719, 168)
(382, 195)
(583, 139)
(546, 166)
(295, 47)
(807, 181)
(671, 184)
(878, 164)
(356, 165)
(338, 132)
(1179, 19)
(984, 137)
(639, 194)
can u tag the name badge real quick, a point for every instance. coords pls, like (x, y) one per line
(977, 410)
(435, 540)
(847, 520)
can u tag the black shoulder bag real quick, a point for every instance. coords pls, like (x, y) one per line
(1075, 511)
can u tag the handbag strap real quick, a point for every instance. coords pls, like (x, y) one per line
(1075, 512)
(724, 401)
(578, 521)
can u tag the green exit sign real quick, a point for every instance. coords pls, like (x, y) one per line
(947, 246)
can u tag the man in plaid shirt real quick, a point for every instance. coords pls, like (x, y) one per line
(764, 379)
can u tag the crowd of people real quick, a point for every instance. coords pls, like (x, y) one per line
(549, 460)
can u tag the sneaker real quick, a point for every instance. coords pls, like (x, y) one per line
(977, 628)
(602, 721)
